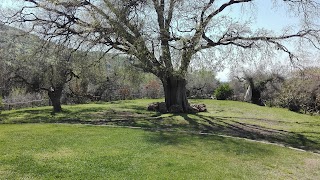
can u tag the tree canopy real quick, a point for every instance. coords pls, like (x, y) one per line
(163, 37)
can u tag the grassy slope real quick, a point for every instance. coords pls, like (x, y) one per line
(56, 151)
(223, 117)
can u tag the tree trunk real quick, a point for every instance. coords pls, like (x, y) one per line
(175, 92)
(55, 97)
(256, 97)
(255, 93)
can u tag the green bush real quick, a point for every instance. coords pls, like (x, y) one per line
(223, 92)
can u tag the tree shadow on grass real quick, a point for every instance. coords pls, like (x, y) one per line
(202, 124)
(232, 126)
(166, 138)
(137, 116)
(212, 143)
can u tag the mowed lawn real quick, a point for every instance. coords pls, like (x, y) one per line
(75, 144)
(223, 117)
(60, 151)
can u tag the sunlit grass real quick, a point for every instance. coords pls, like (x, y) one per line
(166, 148)
(223, 117)
(55, 151)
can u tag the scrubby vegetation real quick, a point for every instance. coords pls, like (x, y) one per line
(223, 92)
(301, 92)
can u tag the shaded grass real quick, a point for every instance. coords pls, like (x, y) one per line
(223, 117)
(55, 151)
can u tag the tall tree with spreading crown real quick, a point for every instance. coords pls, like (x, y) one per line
(163, 37)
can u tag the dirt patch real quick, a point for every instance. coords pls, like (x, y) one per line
(313, 164)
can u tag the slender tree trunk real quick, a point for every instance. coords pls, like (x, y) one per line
(55, 98)
(175, 92)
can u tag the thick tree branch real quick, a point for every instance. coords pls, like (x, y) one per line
(164, 26)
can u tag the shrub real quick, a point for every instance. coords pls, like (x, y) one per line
(223, 92)
(300, 95)
(152, 89)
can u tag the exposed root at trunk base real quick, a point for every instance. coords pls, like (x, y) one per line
(162, 108)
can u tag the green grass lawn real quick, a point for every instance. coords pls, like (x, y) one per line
(168, 147)
(223, 117)
(57, 151)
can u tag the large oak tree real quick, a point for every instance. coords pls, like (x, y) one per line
(162, 37)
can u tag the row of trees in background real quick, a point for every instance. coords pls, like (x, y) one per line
(299, 91)
(34, 70)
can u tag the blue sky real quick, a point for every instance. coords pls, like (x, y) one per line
(273, 17)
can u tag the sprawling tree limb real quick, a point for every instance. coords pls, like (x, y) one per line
(163, 36)
(112, 25)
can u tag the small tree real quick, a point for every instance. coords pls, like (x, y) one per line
(223, 92)
(47, 70)
(259, 83)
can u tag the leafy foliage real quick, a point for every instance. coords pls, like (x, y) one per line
(223, 92)
(302, 92)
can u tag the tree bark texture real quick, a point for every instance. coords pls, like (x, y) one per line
(175, 92)
(55, 98)
(256, 93)
(256, 97)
